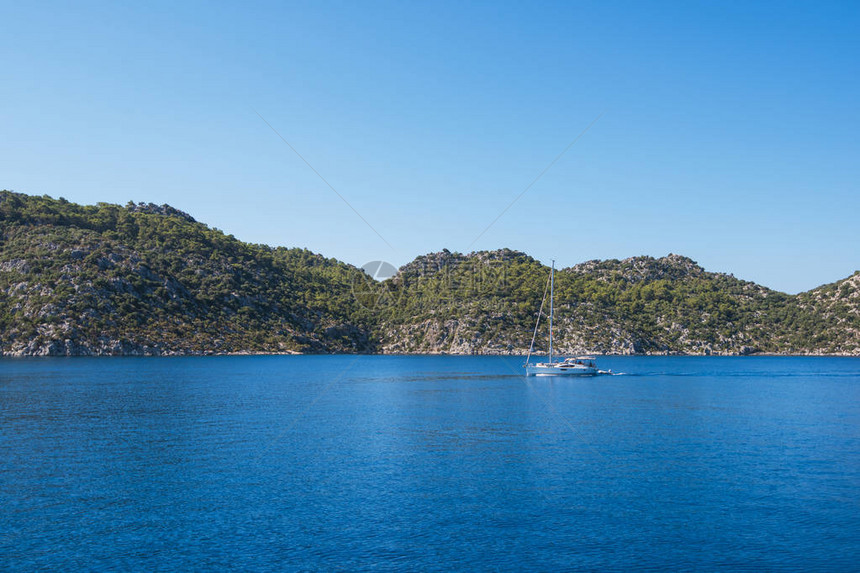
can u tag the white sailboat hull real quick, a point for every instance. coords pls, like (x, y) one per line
(560, 369)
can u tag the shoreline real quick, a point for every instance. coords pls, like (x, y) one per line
(203, 354)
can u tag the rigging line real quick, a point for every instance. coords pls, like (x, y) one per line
(536, 179)
(342, 198)
(540, 312)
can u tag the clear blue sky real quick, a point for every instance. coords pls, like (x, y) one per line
(731, 131)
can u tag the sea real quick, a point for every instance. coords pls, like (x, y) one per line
(429, 463)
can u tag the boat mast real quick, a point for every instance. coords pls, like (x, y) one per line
(551, 289)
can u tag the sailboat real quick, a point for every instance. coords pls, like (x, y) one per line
(578, 366)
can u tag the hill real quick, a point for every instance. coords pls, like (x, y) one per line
(486, 302)
(145, 279)
(825, 320)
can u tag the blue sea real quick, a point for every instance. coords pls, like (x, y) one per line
(402, 463)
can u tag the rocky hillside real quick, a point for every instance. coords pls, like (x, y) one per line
(835, 324)
(146, 280)
(487, 302)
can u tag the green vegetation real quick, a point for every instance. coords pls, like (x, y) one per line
(148, 279)
(639, 305)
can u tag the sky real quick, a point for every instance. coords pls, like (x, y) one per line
(728, 132)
